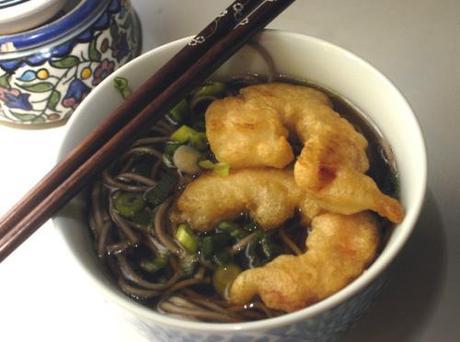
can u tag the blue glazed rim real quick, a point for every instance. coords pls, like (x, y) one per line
(83, 13)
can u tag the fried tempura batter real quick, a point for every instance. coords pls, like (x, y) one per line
(245, 134)
(270, 196)
(339, 248)
(251, 130)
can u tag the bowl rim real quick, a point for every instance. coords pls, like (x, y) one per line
(354, 288)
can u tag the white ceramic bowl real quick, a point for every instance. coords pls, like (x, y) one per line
(301, 57)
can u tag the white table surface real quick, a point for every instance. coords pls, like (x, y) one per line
(416, 43)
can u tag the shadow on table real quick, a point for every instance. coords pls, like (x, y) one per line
(410, 295)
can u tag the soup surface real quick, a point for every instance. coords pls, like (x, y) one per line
(194, 220)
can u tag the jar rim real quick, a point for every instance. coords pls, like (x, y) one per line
(64, 28)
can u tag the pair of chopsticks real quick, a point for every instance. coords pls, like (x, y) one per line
(186, 70)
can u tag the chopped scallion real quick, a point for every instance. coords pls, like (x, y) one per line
(179, 112)
(250, 227)
(216, 89)
(185, 134)
(187, 264)
(233, 229)
(143, 218)
(168, 153)
(227, 226)
(154, 265)
(223, 257)
(221, 169)
(158, 194)
(224, 277)
(187, 238)
(128, 204)
(221, 240)
(207, 247)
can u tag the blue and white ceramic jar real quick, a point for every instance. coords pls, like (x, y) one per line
(47, 71)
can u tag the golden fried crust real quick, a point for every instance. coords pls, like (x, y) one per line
(251, 131)
(245, 134)
(339, 248)
(270, 196)
(338, 186)
(350, 192)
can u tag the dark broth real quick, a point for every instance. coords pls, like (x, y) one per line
(119, 250)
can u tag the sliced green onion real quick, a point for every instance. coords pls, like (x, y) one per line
(179, 112)
(158, 194)
(199, 124)
(121, 84)
(182, 134)
(223, 257)
(221, 169)
(215, 246)
(143, 218)
(206, 164)
(207, 247)
(128, 204)
(211, 89)
(233, 229)
(185, 134)
(187, 264)
(221, 240)
(199, 141)
(168, 153)
(187, 238)
(224, 277)
(156, 264)
(250, 227)
(227, 226)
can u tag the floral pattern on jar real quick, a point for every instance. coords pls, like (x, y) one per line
(48, 85)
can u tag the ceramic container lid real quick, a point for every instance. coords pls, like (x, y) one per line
(74, 21)
(21, 15)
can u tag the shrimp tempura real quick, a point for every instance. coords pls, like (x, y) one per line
(339, 248)
(251, 130)
(270, 196)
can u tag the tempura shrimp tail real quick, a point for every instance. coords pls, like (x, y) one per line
(339, 248)
(347, 192)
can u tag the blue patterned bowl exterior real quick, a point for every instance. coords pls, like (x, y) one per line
(325, 327)
(44, 83)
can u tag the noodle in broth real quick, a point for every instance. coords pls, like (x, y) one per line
(143, 249)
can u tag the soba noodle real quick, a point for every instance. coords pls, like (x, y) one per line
(134, 236)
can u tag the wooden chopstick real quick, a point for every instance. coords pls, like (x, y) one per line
(218, 28)
(132, 119)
